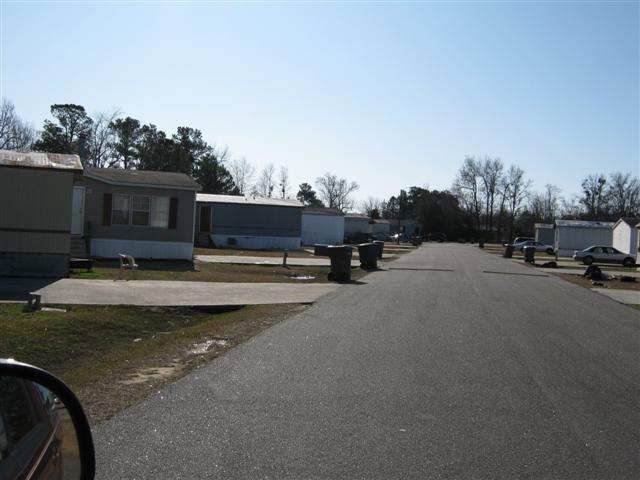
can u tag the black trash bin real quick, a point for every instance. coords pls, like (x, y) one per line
(379, 246)
(321, 250)
(529, 254)
(368, 256)
(508, 251)
(481, 244)
(340, 256)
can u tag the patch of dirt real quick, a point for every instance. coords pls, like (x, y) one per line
(614, 284)
(110, 393)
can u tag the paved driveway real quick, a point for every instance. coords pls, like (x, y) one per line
(436, 369)
(173, 293)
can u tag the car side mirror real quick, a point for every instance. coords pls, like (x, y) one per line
(44, 432)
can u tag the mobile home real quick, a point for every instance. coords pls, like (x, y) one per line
(248, 222)
(572, 235)
(36, 216)
(625, 235)
(142, 213)
(322, 225)
(544, 233)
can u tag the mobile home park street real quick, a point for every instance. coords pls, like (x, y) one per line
(452, 364)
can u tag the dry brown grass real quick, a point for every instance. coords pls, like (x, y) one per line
(114, 356)
(212, 272)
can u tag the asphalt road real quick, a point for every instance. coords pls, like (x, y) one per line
(415, 374)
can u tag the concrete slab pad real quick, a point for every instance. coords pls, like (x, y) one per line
(246, 260)
(628, 297)
(174, 293)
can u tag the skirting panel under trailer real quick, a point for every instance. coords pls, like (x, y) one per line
(257, 243)
(24, 264)
(110, 248)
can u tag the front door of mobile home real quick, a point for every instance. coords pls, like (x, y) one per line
(205, 218)
(77, 212)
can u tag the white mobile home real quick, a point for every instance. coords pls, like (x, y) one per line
(572, 235)
(625, 235)
(322, 225)
(544, 233)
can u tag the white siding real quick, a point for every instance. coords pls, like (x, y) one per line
(570, 239)
(110, 248)
(625, 238)
(325, 229)
(258, 242)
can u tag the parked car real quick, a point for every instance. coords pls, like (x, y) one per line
(604, 254)
(523, 239)
(540, 247)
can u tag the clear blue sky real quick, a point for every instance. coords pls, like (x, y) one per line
(387, 95)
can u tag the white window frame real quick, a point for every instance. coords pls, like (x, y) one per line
(131, 210)
(113, 210)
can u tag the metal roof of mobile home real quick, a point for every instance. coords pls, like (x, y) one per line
(331, 212)
(239, 199)
(583, 224)
(142, 178)
(45, 160)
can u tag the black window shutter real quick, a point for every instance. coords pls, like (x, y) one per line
(173, 213)
(106, 209)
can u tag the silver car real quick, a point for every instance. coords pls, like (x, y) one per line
(600, 253)
(540, 247)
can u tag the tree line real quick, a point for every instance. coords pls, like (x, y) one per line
(491, 201)
(487, 199)
(109, 139)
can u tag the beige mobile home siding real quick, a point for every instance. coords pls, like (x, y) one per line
(95, 190)
(35, 221)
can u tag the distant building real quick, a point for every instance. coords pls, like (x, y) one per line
(355, 223)
(248, 222)
(36, 192)
(572, 235)
(381, 228)
(142, 213)
(625, 235)
(407, 227)
(544, 233)
(322, 225)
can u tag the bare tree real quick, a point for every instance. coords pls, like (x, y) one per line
(623, 194)
(594, 196)
(467, 188)
(283, 182)
(101, 139)
(490, 175)
(571, 208)
(545, 206)
(265, 185)
(336, 192)
(15, 133)
(372, 207)
(242, 173)
(516, 190)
